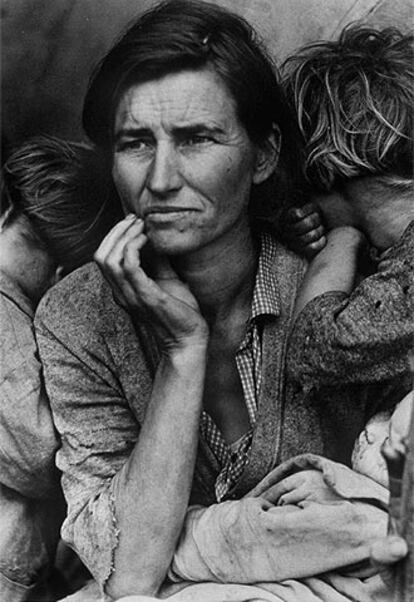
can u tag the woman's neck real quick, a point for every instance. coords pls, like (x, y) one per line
(221, 276)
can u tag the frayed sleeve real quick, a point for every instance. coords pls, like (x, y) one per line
(98, 431)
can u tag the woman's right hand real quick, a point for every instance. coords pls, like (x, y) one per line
(164, 300)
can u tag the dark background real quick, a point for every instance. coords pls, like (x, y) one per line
(49, 47)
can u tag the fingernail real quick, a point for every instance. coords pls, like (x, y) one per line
(130, 216)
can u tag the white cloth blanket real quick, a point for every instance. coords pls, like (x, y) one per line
(324, 545)
(250, 549)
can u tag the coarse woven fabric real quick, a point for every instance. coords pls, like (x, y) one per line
(99, 367)
(363, 337)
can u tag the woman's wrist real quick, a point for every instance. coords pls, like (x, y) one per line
(189, 352)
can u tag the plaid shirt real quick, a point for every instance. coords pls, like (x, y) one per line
(233, 458)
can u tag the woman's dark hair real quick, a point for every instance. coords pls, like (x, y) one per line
(185, 34)
(61, 195)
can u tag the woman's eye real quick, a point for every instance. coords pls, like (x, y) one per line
(135, 144)
(196, 139)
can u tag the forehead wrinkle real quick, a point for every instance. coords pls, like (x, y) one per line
(155, 103)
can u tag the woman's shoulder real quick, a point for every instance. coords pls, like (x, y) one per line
(84, 295)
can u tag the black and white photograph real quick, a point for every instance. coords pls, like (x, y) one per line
(207, 301)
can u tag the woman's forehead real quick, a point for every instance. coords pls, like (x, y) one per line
(178, 99)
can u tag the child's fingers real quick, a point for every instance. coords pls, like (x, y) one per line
(309, 243)
(308, 250)
(311, 236)
(298, 213)
(307, 224)
(313, 248)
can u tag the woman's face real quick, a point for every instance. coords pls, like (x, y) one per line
(183, 161)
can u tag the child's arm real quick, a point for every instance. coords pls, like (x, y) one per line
(363, 336)
(334, 268)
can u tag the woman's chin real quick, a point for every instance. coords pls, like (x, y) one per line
(171, 244)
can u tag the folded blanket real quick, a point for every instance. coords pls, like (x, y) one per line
(252, 540)
(251, 550)
(344, 481)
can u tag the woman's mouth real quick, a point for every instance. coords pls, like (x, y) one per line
(166, 213)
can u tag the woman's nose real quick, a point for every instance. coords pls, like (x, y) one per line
(164, 176)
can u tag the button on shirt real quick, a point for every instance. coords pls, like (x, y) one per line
(233, 458)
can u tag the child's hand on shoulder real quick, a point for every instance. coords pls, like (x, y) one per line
(304, 231)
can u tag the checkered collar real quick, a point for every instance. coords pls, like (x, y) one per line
(265, 293)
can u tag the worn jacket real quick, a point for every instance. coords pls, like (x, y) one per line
(363, 337)
(99, 367)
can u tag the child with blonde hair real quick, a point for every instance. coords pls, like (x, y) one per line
(354, 101)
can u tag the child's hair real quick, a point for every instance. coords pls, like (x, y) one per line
(58, 191)
(354, 101)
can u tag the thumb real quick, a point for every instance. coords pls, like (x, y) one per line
(388, 550)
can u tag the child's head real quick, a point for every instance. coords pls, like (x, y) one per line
(354, 101)
(56, 192)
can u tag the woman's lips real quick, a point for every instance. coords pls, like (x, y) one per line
(163, 214)
(166, 209)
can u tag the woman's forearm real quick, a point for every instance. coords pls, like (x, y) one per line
(153, 488)
(253, 539)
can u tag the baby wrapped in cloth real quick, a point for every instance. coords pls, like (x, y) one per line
(279, 536)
